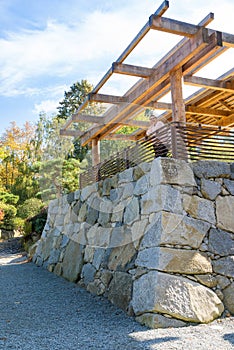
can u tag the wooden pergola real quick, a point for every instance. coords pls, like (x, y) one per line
(213, 104)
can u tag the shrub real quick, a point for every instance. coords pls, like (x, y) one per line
(30, 208)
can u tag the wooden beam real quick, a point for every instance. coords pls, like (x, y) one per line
(226, 121)
(106, 98)
(178, 107)
(144, 91)
(228, 39)
(206, 111)
(226, 105)
(161, 105)
(145, 29)
(173, 26)
(227, 86)
(129, 69)
(139, 123)
(87, 118)
(120, 137)
(74, 133)
(206, 55)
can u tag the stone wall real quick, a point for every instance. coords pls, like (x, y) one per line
(157, 240)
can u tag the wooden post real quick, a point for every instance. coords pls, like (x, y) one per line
(178, 115)
(178, 107)
(95, 152)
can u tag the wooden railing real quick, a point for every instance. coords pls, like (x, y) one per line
(187, 141)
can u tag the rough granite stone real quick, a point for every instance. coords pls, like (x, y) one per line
(148, 258)
(228, 300)
(96, 287)
(229, 184)
(89, 253)
(132, 211)
(199, 208)
(210, 189)
(126, 176)
(121, 257)
(142, 185)
(120, 236)
(138, 229)
(98, 236)
(208, 169)
(220, 242)
(153, 320)
(171, 171)
(98, 257)
(224, 266)
(87, 191)
(169, 228)
(174, 260)
(120, 290)
(208, 280)
(176, 296)
(224, 208)
(223, 281)
(161, 197)
(88, 273)
(72, 261)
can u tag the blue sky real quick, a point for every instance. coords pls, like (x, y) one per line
(47, 45)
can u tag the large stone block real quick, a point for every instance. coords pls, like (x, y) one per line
(122, 257)
(210, 169)
(142, 185)
(161, 197)
(72, 261)
(120, 290)
(171, 171)
(88, 190)
(210, 189)
(220, 242)
(169, 228)
(132, 211)
(98, 236)
(224, 208)
(174, 260)
(88, 273)
(176, 296)
(199, 208)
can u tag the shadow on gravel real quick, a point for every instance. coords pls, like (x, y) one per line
(156, 341)
(229, 337)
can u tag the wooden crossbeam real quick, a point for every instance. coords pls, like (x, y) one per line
(225, 104)
(106, 98)
(141, 95)
(120, 137)
(209, 83)
(132, 70)
(206, 111)
(228, 39)
(161, 105)
(73, 133)
(139, 123)
(173, 26)
(87, 118)
(226, 121)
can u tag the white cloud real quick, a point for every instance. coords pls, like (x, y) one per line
(47, 106)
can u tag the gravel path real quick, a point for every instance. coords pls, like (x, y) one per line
(40, 311)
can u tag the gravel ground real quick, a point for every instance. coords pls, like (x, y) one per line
(40, 311)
